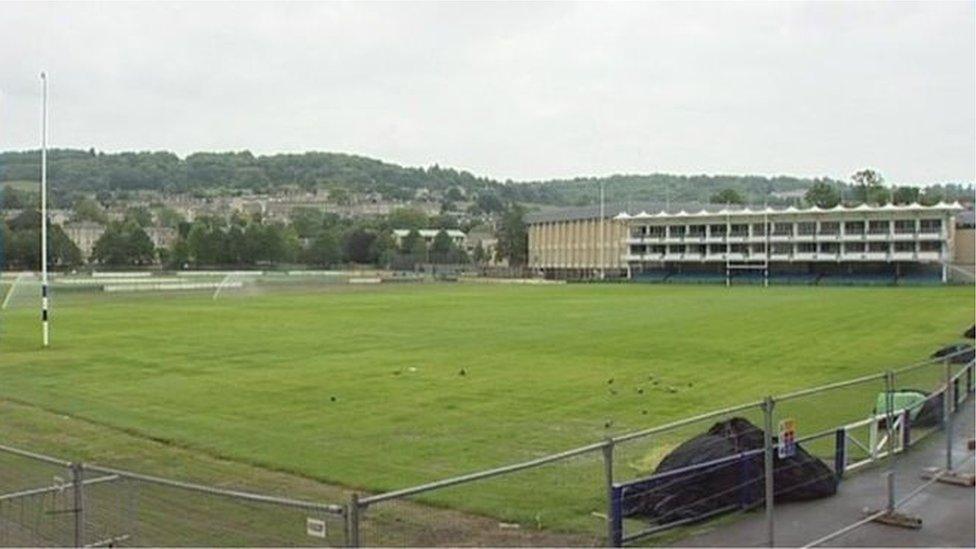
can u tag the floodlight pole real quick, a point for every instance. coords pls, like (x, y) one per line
(44, 289)
(603, 236)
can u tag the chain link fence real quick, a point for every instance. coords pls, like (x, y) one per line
(657, 485)
(50, 502)
(648, 487)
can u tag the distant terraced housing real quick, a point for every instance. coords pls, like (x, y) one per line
(695, 243)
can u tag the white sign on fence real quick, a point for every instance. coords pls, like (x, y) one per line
(315, 527)
(787, 438)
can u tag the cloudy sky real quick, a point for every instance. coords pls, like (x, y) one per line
(521, 91)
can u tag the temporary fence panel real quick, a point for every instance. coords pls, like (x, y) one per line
(162, 512)
(562, 502)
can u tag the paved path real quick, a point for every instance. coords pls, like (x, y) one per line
(946, 511)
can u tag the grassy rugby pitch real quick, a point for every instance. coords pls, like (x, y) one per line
(385, 387)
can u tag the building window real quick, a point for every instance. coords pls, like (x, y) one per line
(758, 229)
(696, 230)
(782, 248)
(878, 227)
(718, 230)
(696, 249)
(829, 248)
(783, 229)
(806, 247)
(930, 246)
(737, 248)
(636, 249)
(676, 249)
(716, 249)
(758, 249)
(806, 228)
(740, 230)
(854, 227)
(677, 230)
(829, 228)
(878, 247)
(638, 232)
(655, 231)
(931, 226)
(904, 247)
(904, 226)
(854, 247)
(656, 250)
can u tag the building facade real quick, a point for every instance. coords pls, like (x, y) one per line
(577, 243)
(690, 240)
(84, 234)
(898, 240)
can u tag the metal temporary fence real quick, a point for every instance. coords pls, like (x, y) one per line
(603, 493)
(46, 501)
(610, 492)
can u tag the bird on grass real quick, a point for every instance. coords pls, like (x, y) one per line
(610, 381)
(640, 391)
(332, 398)
(608, 424)
(463, 372)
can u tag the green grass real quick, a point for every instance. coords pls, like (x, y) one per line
(253, 380)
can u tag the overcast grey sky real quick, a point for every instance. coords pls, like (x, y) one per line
(521, 91)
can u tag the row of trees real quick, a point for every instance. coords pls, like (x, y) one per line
(867, 186)
(312, 238)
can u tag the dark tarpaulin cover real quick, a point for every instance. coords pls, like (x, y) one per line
(737, 483)
(962, 353)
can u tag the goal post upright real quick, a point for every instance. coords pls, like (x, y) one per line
(45, 327)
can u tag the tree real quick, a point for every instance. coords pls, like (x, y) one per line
(87, 209)
(933, 195)
(168, 217)
(357, 245)
(409, 243)
(307, 222)
(140, 216)
(727, 196)
(906, 195)
(383, 248)
(443, 249)
(513, 239)
(488, 202)
(14, 199)
(823, 195)
(479, 255)
(124, 243)
(868, 182)
(324, 250)
(408, 218)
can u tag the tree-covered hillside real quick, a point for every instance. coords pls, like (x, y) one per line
(74, 171)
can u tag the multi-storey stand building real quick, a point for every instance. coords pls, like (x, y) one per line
(891, 240)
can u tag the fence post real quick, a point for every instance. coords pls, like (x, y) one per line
(78, 487)
(947, 414)
(608, 479)
(352, 518)
(890, 435)
(840, 452)
(768, 404)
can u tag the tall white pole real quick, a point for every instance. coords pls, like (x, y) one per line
(603, 236)
(44, 289)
